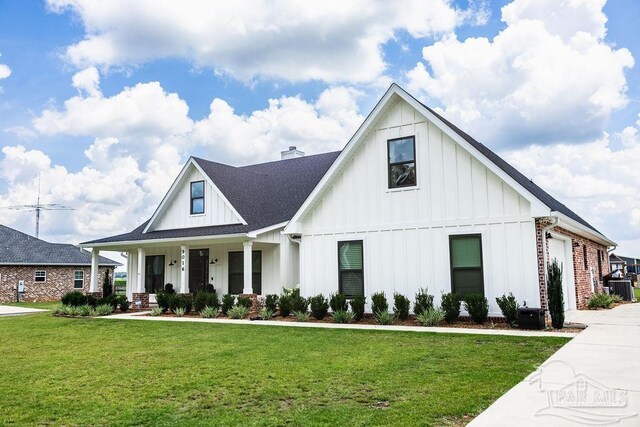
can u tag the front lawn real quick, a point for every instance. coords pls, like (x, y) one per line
(636, 293)
(47, 305)
(104, 372)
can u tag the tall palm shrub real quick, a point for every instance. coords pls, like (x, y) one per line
(554, 294)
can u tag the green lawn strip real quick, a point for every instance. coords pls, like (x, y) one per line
(97, 372)
(47, 305)
(636, 292)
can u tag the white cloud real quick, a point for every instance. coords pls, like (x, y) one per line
(297, 41)
(5, 71)
(548, 77)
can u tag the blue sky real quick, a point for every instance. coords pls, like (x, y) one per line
(572, 106)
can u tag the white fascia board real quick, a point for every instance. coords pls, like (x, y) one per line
(253, 234)
(176, 184)
(537, 207)
(117, 246)
(581, 230)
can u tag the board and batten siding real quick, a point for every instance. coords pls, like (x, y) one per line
(178, 212)
(406, 231)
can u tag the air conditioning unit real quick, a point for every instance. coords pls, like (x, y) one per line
(622, 288)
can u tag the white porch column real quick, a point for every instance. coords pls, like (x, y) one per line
(184, 269)
(140, 276)
(248, 268)
(130, 283)
(94, 270)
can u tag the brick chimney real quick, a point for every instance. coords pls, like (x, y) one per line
(291, 153)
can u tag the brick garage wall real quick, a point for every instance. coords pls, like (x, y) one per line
(59, 280)
(580, 245)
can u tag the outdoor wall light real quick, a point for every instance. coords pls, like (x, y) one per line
(172, 263)
(213, 261)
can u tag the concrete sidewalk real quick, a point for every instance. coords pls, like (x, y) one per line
(10, 310)
(592, 380)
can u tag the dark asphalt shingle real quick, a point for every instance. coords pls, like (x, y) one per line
(20, 248)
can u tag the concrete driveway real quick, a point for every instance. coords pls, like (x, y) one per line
(9, 310)
(593, 380)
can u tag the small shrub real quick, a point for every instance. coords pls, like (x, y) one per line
(555, 299)
(111, 300)
(209, 312)
(271, 302)
(168, 288)
(338, 302)
(85, 310)
(205, 299)
(357, 306)
(228, 301)
(430, 317)
(285, 304)
(181, 301)
(245, 302)
(478, 307)
(342, 316)
(163, 300)
(602, 301)
(91, 300)
(74, 299)
(107, 287)
(104, 310)
(58, 310)
(384, 317)
(451, 306)
(156, 311)
(179, 312)
(401, 306)
(423, 302)
(319, 306)
(70, 310)
(210, 289)
(302, 316)
(238, 312)
(265, 313)
(379, 303)
(509, 307)
(299, 303)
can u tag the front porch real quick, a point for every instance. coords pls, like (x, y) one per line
(236, 265)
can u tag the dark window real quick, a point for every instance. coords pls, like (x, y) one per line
(236, 272)
(78, 279)
(197, 197)
(40, 276)
(402, 162)
(466, 264)
(154, 273)
(584, 256)
(599, 264)
(351, 268)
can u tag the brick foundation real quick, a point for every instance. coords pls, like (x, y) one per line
(142, 297)
(254, 302)
(95, 294)
(59, 280)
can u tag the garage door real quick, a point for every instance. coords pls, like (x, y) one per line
(557, 251)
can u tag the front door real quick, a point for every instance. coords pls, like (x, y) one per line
(198, 270)
(154, 274)
(558, 251)
(236, 272)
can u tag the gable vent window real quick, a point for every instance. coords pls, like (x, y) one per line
(40, 276)
(197, 197)
(351, 268)
(402, 162)
(466, 264)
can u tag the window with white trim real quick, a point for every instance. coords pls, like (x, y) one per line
(78, 279)
(197, 197)
(40, 276)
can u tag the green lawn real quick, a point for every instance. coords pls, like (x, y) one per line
(636, 292)
(48, 305)
(103, 372)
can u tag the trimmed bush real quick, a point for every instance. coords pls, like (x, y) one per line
(357, 306)
(245, 302)
(384, 317)
(401, 306)
(111, 300)
(430, 317)
(451, 306)
(168, 288)
(509, 307)
(228, 301)
(181, 301)
(342, 316)
(163, 300)
(104, 310)
(478, 307)
(91, 300)
(302, 316)
(285, 305)
(319, 306)
(271, 302)
(107, 287)
(124, 304)
(555, 298)
(265, 313)
(602, 301)
(298, 303)
(379, 303)
(74, 299)
(338, 302)
(423, 302)
(209, 288)
(209, 312)
(156, 311)
(204, 299)
(238, 312)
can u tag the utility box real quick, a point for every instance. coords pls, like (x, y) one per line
(530, 318)
(622, 288)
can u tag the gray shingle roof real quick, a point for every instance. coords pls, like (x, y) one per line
(265, 194)
(19, 248)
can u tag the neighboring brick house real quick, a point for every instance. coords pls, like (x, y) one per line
(47, 270)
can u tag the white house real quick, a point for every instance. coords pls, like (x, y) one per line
(411, 201)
